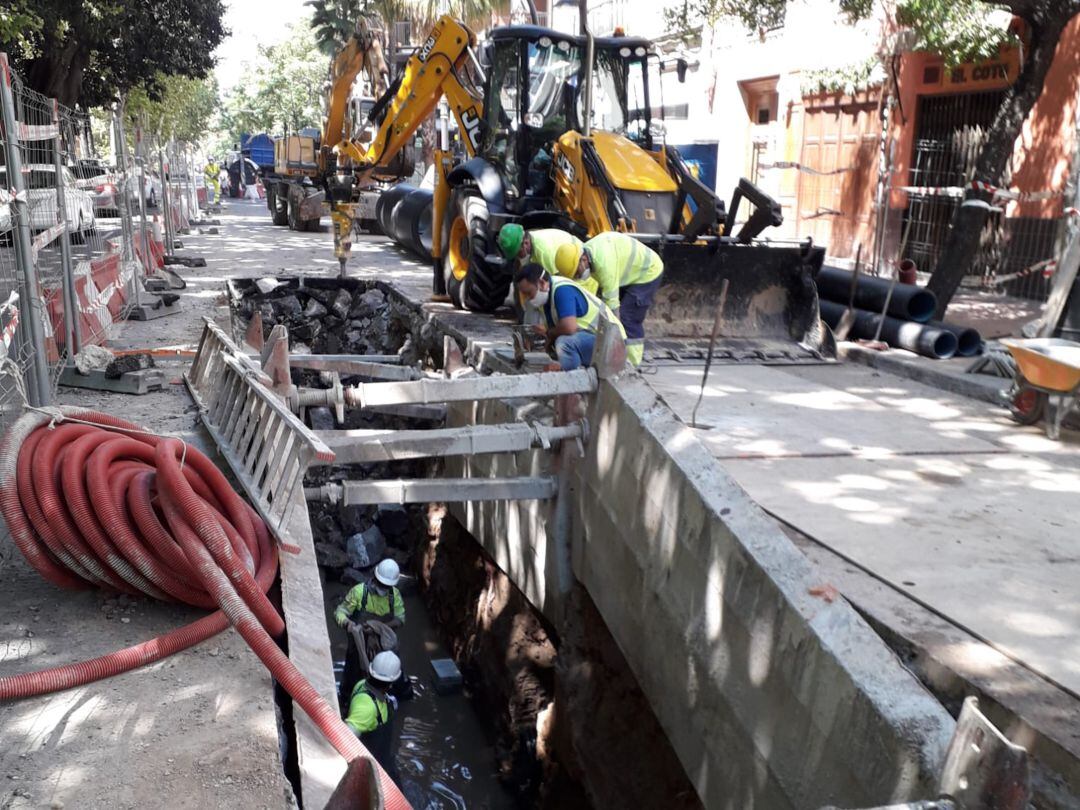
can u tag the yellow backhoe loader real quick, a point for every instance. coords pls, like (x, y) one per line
(538, 152)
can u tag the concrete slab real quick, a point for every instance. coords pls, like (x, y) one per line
(768, 412)
(988, 540)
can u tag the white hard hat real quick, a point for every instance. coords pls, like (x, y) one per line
(388, 573)
(385, 667)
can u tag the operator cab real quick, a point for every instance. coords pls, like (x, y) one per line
(534, 74)
(623, 69)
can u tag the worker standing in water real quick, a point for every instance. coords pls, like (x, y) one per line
(570, 315)
(540, 246)
(629, 274)
(212, 173)
(366, 608)
(372, 708)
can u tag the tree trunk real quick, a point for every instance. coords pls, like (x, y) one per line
(968, 222)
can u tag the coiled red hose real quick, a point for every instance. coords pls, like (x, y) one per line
(99, 502)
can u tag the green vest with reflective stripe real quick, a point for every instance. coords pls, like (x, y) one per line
(620, 260)
(586, 322)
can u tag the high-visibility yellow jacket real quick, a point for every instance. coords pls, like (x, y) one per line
(360, 600)
(587, 322)
(620, 260)
(545, 243)
(366, 712)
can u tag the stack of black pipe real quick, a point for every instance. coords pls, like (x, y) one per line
(404, 214)
(907, 322)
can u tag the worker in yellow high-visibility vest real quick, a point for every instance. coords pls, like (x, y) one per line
(628, 273)
(539, 246)
(571, 315)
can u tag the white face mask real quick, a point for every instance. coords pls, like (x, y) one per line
(583, 273)
(538, 300)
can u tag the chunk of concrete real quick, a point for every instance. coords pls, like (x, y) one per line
(265, 285)
(342, 304)
(314, 309)
(366, 548)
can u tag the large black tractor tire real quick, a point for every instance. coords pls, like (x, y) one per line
(471, 282)
(295, 223)
(278, 204)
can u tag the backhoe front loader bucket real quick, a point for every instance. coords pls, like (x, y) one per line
(771, 309)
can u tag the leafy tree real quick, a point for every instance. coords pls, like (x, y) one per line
(183, 110)
(19, 24)
(281, 91)
(959, 31)
(90, 52)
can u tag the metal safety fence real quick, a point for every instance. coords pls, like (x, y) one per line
(83, 227)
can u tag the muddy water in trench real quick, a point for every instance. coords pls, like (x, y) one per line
(444, 755)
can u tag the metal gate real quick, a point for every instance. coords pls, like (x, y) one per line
(950, 133)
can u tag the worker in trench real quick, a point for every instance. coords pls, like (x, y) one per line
(371, 613)
(372, 708)
(628, 273)
(540, 246)
(570, 315)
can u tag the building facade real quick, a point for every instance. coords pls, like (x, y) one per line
(858, 176)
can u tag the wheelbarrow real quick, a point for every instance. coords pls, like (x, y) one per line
(1047, 381)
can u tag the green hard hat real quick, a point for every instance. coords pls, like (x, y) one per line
(511, 236)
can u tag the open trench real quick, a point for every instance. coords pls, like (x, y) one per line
(547, 717)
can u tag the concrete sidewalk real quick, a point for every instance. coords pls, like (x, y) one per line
(199, 729)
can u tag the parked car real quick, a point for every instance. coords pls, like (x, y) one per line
(89, 168)
(151, 189)
(105, 191)
(41, 197)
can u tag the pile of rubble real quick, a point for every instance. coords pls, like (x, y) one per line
(343, 318)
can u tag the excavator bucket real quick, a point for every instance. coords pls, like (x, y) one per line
(771, 310)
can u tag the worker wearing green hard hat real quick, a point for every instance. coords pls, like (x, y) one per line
(538, 246)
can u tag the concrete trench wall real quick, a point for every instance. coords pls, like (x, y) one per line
(771, 697)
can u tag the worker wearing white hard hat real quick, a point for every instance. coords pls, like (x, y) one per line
(369, 607)
(372, 707)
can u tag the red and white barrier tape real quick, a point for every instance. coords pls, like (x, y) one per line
(36, 132)
(790, 164)
(1046, 267)
(979, 185)
(45, 237)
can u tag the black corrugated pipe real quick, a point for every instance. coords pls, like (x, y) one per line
(908, 302)
(968, 341)
(410, 222)
(384, 208)
(921, 338)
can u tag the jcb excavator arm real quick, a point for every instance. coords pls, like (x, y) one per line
(436, 69)
(364, 51)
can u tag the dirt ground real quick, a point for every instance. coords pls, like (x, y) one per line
(198, 730)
